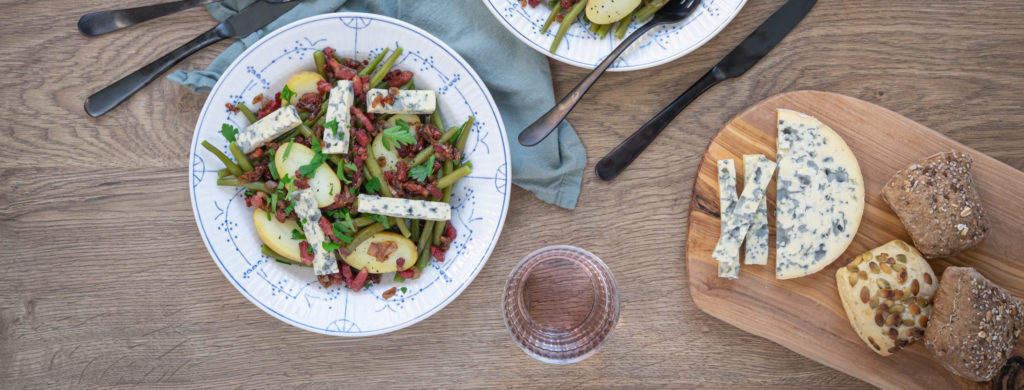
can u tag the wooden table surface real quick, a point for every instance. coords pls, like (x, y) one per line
(104, 281)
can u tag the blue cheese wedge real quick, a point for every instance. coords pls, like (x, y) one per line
(727, 268)
(820, 196)
(739, 221)
(324, 262)
(404, 208)
(339, 101)
(268, 128)
(406, 102)
(756, 247)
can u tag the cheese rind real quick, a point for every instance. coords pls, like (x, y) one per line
(404, 208)
(727, 268)
(819, 199)
(756, 247)
(406, 102)
(268, 128)
(739, 220)
(324, 262)
(339, 100)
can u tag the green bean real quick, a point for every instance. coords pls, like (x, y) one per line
(381, 85)
(594, 27)
(563, 27)
(457, 174)
(425, 154)
(222, 173)
(318, 58)
(365, 234)
(601, 32)
(373, 64)
(399, 278)
(648, 10)
(623, 27)
(243, 162)
(230, 165)
(255, 185)
(408, 86)
(466, 127)
(245, 111)
(379, 74)
(362, 221)
(445, 197)
(274, 255)
(424, 244)
(414, 226)
(305, 130)
(551, 18)
(435, 119)
(402, 228)
(319, 115)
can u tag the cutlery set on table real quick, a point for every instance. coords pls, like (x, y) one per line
(394, 185)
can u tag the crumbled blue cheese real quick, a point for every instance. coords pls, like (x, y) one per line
(756, 247)
(324, 262)
(738, 222)
(406, 102)
(819, 199)
(339, 100)
(268, 128)
(404, 208)
(727, 268)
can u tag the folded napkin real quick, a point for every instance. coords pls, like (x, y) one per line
(518, 77)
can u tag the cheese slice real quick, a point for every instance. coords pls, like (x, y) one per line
(324, 262)
(404, 208)
(739, 221)
(820, 196)
(268, 128)
(406, 102)
(727, 268)
(756, 246)
(339, 101)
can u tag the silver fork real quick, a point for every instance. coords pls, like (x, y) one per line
(99, 23)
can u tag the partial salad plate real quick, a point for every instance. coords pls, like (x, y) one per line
(593, 28)
(349, 174)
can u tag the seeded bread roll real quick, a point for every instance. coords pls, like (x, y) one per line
(936, 200)
(974, 325)
(887, 293)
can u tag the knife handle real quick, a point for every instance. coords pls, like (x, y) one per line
(99, 23)
(615, 162)
(108, 98)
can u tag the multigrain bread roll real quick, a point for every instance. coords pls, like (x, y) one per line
(936, 200)
(974, 324)
(887, 295)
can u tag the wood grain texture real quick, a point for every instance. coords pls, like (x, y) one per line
(104, 282)
(806, 314)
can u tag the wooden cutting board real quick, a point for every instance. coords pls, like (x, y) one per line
(806, 314)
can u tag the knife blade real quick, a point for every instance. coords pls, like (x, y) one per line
(737, 62)
(243, 23)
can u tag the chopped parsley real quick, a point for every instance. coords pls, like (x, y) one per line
(273, 205)
(288, 149)
(372, 186)
(420, 172)
(403, 290)
(297, 235)
(318, 158)
(286, 95)
(272, 165)
(228, 132)
(309, 249)
(333, 125)
(398, 134)
(379, 218)
(330, 246)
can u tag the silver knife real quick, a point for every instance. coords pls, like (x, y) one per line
(737, 62)
(245, 22)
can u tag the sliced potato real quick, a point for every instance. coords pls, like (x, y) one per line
(277, 235)
(324, 182)
(610, 11)
(404, 248)
(302, 83)
(390, 156)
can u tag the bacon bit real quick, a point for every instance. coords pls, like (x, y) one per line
(377, 101)
(360, 280)
(270, 106)
(341, 200)
(257, 200)
(361, 138)
(367, 124)
(309, 102)
(256, 153)
(344, 251)
(434, 191)
(437, 252)
(411, 273)
(300, 181)
(281, 214)
(323, 87)
(445, 152)
(398, 78)
(357, 86)
(346, 273)
(258, 99)
(400, 262)
(254, 175)
(307, 258)
(271, 185)
(328, 52)
(338, 71)
(389, 293)
(231, 107)
(382, 249)
(325, 225)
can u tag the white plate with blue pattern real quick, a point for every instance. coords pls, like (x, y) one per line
(584, 49)
(291, 293)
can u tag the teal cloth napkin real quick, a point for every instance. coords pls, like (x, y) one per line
(518, 77)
